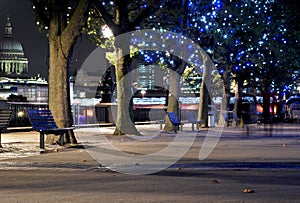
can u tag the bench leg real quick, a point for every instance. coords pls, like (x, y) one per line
(42, 140)
(193, 126)
(61, 139)
(0, 140)
(175, 128)
(229, 123)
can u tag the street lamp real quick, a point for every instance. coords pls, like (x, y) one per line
(107, 33)
(143, 92)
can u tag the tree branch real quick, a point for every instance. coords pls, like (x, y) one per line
(108, 19)
(77, 21)
(145, 13)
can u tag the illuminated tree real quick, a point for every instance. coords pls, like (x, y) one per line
(123, 16)
(264, 48)
(277, 51)
(254, 41)
(185, 18)
(249, 41)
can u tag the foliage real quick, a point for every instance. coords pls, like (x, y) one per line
(44, 10)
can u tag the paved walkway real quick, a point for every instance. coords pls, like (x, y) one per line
(237, 148)
(255, 164)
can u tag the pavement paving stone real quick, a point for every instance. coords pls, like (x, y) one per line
(236, 149)
(247, 165)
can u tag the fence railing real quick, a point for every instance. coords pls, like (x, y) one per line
(99, 114)
(19, 116)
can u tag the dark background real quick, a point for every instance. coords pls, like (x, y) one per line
(35, 42)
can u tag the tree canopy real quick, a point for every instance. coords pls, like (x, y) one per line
(254, 42)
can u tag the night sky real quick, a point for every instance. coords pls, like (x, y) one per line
(34, 42)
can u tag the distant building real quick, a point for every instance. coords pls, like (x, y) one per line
(152, 76)
(33, 89)
(14, 80)
(13, 63)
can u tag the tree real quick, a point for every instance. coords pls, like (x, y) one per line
(63, 21)
(123, 16)
(199, 20)
(233, 53)
(277, 51)
(181, 19)
(245, 38)
(253, 44)
(107, 85)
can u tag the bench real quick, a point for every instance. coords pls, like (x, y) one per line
(160, 122)
(174, 120)
(229, 117)
(190, 116)
(5, 115)
(43, 122)
(190, 119)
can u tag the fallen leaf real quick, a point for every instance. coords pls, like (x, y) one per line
(248, 190)
(215, 181)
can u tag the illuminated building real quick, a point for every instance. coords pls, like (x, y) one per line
(14, 80)
(12, 59)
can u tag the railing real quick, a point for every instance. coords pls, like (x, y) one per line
(84, 115)
(103, 114)
(19, 116)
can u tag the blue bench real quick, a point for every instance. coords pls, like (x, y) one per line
(43, 122)
(174, 120)
(190, 119)
(190, 116)
(5, 115)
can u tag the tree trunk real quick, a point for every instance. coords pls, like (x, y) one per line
(225, 97)
(124, 123)
(205, 90)
(173, 98)
(238, 97)
(266, 105)
(62, 36)
(59, 95)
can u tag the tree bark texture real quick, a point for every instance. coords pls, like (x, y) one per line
(205, 90)
(124, 123)
(61, 41)
(225, 97)
(238, 98)
(266, 105)
(173, 98)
